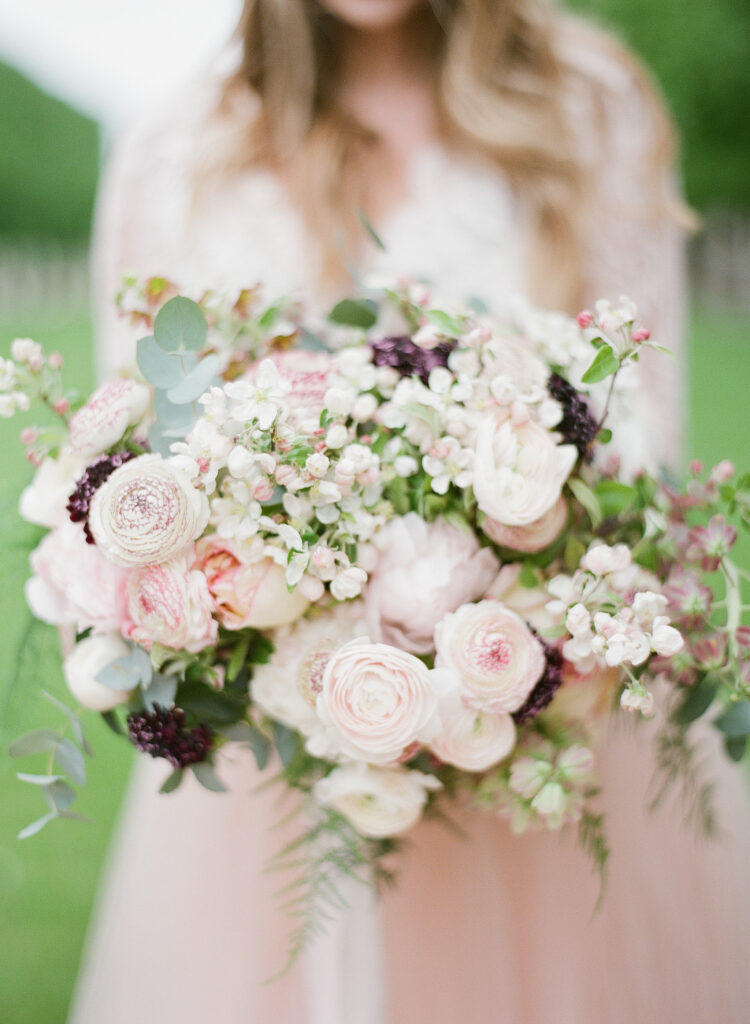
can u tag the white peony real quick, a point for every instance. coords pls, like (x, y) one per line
(379, 802)
(43, 501)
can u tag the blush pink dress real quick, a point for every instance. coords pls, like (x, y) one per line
(486, 928)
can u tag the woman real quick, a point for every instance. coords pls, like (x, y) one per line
(500, 149)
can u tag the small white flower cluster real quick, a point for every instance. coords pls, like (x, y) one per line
(13, 400)
(609, 622)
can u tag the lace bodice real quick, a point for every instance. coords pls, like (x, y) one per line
(459, 227)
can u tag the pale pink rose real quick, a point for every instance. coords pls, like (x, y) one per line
(473, 740)
(531, 538)
(497, 657)
(147, 512)
(528, 602)
(170, 604)
(377, 700)
(74, 584)
(247, 592)
(519, 470)
(44, 500)
(425, 570)
(103, 420)
(85, 661)
(379, 802)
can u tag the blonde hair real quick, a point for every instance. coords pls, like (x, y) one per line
(501, 84)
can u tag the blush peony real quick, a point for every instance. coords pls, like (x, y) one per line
(376, 700)
(519, 470)
(103, 420)
(424, 571)
(147, 512)
(497, 657)
(379, 802)
(247, 591)
(170, 604)
(535, 536)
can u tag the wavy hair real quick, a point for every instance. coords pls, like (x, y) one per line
(500, 81)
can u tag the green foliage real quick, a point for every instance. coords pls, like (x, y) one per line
(354, 313)
(49, 163)
(700, 54)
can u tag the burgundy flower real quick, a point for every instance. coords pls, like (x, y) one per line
(408, 359)
(545, 689)
(577, 425)
(87, 486)
(162, 733)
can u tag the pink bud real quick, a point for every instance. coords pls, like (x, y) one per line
(203, 465)
(35, 363)
(34, 458)
(642, 334)
(585, 318)
(261, 489)
(29, 435)
(62, 407)
(722, 471)
(696, 467)
(55, 360)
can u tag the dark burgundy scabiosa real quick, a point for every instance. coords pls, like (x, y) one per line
(577, 425)
(408, 359)
(87, 486)
(162, 733)
(545, 689)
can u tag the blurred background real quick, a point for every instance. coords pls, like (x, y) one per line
(71, 75)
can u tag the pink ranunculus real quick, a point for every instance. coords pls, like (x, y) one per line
(147, 512)
(534, 537)
(74, 584)
(379, 802)
(376, 700)
(497, 657)
(247, 591)
(519, 470)
(170, 604)
(473, 740)
(103, 420)
(425, 570)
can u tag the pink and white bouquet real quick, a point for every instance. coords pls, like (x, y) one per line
(394, 549)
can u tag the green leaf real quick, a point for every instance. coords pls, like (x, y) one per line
(363, 220)
(736, 720)
(72, 717)
(205, 774)
(448, 325)
(528, 577)
(33, 743)
(735, 747)
(180, 325)
(355, 313)
(604, 436)
(575, 549)
(197, 382)
(605, 363)
(697, 700)
(69, 759)
(311, 342)
(39, 780)
(172, 781)
(582, 493)
(614, 497)
(286, 741)
(245, 732)
(113, 722)
(36, 826)
(219, 707)
(161, 691)
(160, 368)
(59, 795)
(238, 657)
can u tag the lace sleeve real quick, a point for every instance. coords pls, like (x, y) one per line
(636, 248)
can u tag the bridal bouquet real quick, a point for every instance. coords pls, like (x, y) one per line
(393, 552)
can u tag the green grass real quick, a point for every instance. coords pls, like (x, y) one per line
(47, 883)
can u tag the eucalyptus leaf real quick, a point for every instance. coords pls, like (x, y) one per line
(197, 382)
(60, 796)
(170, 416)
(36, 826)
(205, 774)
(311, 342)
(261, 748)
(72, 717)
(180, 324)
(587, 498)
(172, 781)
(355, 313)
(286, 741)
(604, 364)
(735, 721)
(69, 759)
(127, 672)
(39, 780)
(33, 743)
(161, 690)
(160, 368)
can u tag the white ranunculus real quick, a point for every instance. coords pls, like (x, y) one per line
(473, 740)
(43, 501)
(85, 662)
(379, 802)
(147, 512)
(103, 420)
(519, 470)
(493, 651)
(425, 570)
(376, 700)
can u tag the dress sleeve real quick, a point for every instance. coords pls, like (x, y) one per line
(635, 247)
